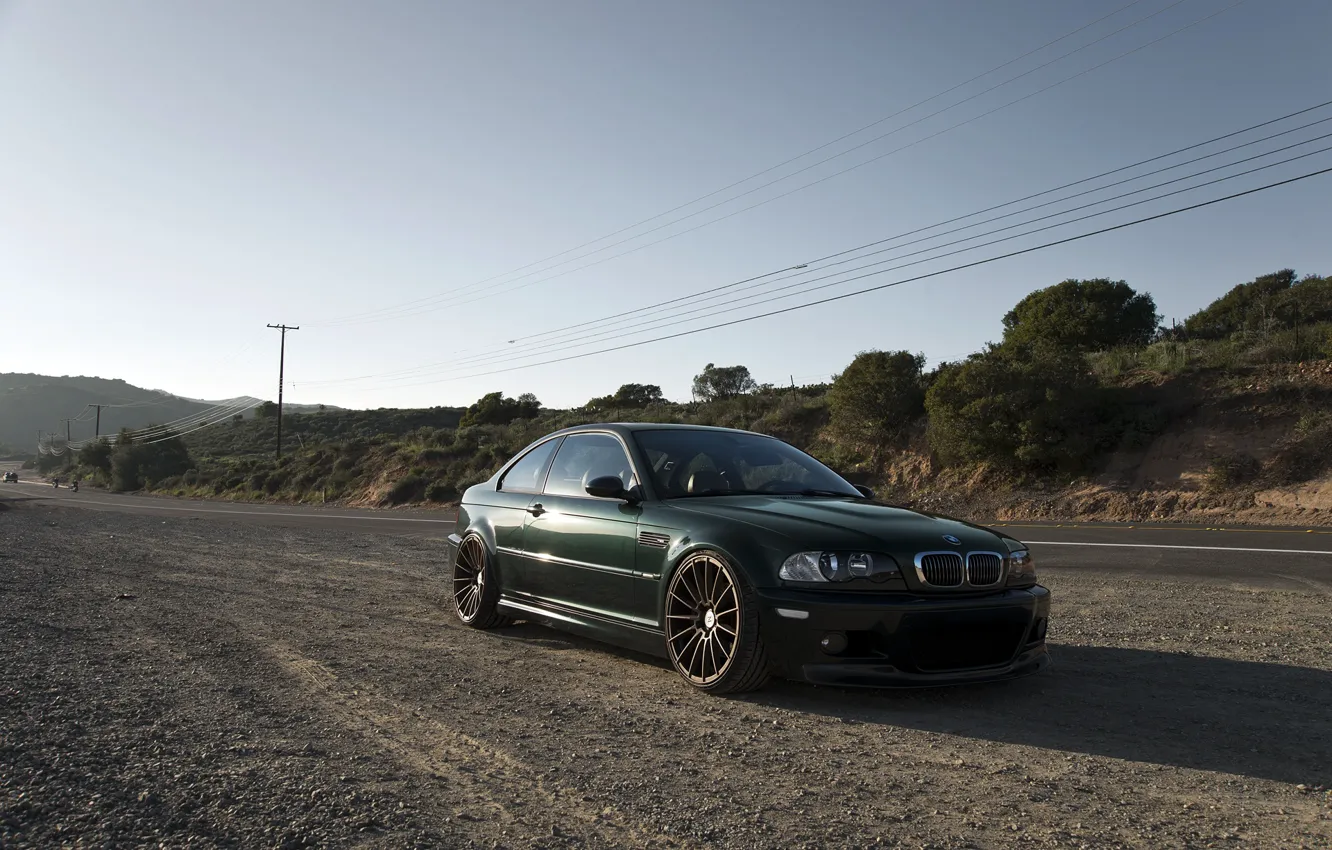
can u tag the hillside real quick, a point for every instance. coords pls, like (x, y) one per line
(31, 403)
(1087, 408)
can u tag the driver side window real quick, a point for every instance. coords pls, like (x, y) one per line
(583, 457)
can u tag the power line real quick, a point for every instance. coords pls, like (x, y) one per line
(882, 286)
(655, 321)
(219, 412)
(255, 404)
(435, 302)
(730, 289)
(808, 289)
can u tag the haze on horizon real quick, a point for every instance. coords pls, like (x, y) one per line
(176, 176)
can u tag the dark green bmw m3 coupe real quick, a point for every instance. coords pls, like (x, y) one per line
(737, 557)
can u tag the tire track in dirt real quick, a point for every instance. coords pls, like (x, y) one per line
(429, 746)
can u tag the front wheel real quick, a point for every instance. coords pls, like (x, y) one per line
(475, 590)
(712, 626)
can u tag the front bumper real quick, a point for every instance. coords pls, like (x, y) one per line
(905, 640)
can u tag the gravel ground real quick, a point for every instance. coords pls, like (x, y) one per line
(195, 682)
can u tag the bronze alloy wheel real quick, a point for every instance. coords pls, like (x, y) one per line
(712, 626)
(474, 592)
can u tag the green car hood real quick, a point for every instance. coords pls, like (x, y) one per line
(822, 522)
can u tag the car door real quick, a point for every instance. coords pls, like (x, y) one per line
(511, 501)
(580, 549)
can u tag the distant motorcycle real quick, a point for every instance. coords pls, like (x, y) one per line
(74, 487)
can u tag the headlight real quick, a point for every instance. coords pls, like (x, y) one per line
(838, 567)
(1021, 567)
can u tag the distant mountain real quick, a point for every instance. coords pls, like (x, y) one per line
(31, 403)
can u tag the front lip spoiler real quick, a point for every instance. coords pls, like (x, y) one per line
(871, 675)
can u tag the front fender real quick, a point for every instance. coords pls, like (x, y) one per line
(757, 557)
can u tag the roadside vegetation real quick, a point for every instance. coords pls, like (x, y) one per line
(1084, 373)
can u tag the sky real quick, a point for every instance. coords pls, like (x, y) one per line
(391, 176)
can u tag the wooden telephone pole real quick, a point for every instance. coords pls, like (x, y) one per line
(282, 358)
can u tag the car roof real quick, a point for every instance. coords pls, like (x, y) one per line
(629, 427)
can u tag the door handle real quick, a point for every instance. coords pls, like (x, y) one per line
(536, 510)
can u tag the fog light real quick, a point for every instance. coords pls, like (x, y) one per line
(833, 643)
(1038, 629)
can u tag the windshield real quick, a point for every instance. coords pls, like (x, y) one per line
(719, 463)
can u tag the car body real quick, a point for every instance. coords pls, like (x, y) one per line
(736, 556)
(11, 477)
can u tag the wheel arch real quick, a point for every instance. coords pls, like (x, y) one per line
(747, 554)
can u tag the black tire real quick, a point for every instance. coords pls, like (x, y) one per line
(474, 589)
(712, 613)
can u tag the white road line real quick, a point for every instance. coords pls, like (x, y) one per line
(1169, 546)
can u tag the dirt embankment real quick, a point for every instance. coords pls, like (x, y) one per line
(196, 682)
(1251, 448)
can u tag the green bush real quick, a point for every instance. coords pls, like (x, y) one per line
(1081, 315)
(1038, 414)
(432, 455)
(1230, 470)
(877, 400)
(409, 489)
(441, 491)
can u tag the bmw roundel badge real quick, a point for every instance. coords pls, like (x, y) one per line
(948, 538)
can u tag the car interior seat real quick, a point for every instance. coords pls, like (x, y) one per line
(707, 481)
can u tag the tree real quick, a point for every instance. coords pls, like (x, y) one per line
(1037, 414)
(874, 401)
(267, 410)
(1082, 315)
(137, 465)
(495, 409)
(97, 455)
(716, 382)
(628, 396)
(1273, 301)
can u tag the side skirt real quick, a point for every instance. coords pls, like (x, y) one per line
(642, 639)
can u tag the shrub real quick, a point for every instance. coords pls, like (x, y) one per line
(441, 491)
(1230, 470)
(432, 455)
(1038, 414)
(1082, 315)
(877, 399)
(1308, 452)
(409, 489)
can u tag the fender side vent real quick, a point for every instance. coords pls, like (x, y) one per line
(653, 539)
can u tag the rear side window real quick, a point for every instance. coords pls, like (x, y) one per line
(526, 474)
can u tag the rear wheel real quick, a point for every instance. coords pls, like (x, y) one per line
(712, 626)
(475, 590)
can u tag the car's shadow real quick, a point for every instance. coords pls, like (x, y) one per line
(1263, 720)
(1257, 719)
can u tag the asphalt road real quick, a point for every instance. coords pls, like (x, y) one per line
(1257, 557)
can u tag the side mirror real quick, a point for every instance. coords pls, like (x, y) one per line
(608, 487)
(865, 491)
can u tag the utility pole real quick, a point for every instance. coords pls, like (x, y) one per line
(69, 460)
(97, 428)
(282, 358)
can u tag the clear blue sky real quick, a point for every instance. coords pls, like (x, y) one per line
(173, 176)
